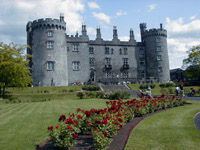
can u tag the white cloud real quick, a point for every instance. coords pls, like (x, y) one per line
(120, 13)
(19, 12)
(1, 22)
(192, 17)
(181, 37)
(93, 5)
(124, 38)
(91, 31)
(152, 7)
(102, 17)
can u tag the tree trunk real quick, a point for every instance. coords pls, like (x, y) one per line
(4, 91)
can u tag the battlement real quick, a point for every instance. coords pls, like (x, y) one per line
(155, 32)
(48, 23)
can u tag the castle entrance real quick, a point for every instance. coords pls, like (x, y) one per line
(92, 76)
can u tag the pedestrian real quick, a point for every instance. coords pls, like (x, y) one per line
(149, 91)
(181, 90)
(177, 90)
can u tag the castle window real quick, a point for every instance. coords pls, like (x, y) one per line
(91, 62)
(142, 63)
(107, 50)
(141, 52)
(50, 65)
(125, 61)
(49, 44)
(76, 65)
(109, 74)
(112, 51)
(159, 48)
(125, 75)
(125, 51)
(108, 61)
(91, 50)
(158, 40)
(159, 57)
(75, 47)
(120, 51)
(160, 69)
(50, 33)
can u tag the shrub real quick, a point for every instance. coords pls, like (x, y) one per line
(71, 90)
(80, 95)
(145, 86)
(91, 88)
(166, 85)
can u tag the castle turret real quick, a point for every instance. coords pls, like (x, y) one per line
(143, 27)
(48, 47)
(157, 61)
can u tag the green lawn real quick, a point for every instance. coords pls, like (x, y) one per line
(173, 129)
(24, 125)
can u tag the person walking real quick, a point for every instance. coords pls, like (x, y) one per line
(177, 90)
(181, 90)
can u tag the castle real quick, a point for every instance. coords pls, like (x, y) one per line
(60, 60)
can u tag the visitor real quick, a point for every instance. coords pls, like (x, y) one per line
(177, 90)
(181, 90)
(149, 91)
(192, 92)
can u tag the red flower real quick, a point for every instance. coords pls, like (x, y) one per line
(105, 133)
(107, 102)
(96, 128)
(87, 113)
(50, 128)
(120, 120)
(75, 135)
(119, 114)
(105, 122)
(57, 127)
(62, 118)
(69, 127)
(78, 109)
(79, 117)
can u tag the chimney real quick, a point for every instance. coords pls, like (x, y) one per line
(132, 35)
(84, 31)
(61, 17)
(161, 26)
(115, 36)
(98, 35)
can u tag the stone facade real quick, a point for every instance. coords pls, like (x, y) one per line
(59, 59)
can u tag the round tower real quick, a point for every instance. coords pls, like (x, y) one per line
(49, 53)
(157, 60)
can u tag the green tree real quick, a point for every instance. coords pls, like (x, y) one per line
(14, 70)
(193, 71)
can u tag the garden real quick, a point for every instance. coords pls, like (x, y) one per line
(28, 124)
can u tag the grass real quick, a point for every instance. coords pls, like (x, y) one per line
(173, 129)
(159, 91)
(24, 125)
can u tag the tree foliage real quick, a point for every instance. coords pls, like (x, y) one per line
(193, 71)
(14, 70)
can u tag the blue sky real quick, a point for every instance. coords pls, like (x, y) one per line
(181, 18)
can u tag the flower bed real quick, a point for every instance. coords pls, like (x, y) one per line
(104, 123)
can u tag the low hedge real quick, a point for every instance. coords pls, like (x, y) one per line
(91, 88)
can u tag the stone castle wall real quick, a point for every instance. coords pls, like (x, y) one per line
(142, 57)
